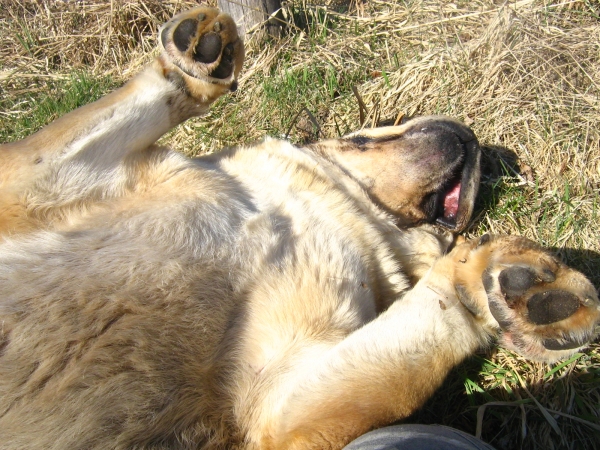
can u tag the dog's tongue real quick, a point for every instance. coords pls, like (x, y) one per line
(451, 201)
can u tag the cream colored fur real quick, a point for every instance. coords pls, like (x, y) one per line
(255, 298)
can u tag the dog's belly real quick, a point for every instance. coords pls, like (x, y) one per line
(131, 314)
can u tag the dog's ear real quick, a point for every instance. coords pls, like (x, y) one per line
(426, 170)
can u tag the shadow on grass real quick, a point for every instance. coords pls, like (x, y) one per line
(497, 163)
(510, 418)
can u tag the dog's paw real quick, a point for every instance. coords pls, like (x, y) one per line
(203, 43)
(544, 310)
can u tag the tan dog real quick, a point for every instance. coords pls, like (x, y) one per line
(269, 297)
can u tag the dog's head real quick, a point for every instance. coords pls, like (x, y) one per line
(424, 171)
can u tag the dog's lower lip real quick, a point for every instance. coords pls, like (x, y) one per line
(446, 223)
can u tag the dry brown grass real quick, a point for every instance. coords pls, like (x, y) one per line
(524, 75)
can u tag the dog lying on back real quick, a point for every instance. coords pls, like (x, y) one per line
(265, 297)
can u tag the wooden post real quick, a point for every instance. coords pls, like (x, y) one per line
(248, 13)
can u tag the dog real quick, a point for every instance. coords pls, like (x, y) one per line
(262, 297)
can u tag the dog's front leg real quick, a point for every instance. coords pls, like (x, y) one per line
(384, 371)
(83, 155)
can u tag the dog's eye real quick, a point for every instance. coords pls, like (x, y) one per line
(360, 141)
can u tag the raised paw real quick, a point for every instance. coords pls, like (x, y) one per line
(204, 44)
(544, 309)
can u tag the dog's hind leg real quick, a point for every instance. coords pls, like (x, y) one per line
(83, 155)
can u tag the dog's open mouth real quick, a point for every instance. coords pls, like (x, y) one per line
(448, 202)
(451, 205)
(443, 206)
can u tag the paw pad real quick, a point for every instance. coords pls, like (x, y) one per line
(515, 281)
(182, 35)
(208, 48)
(548, 307)
(544, 309)
(203, 43)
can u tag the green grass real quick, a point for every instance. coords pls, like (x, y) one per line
(24, 114)
(495, 391)
(527, 81)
